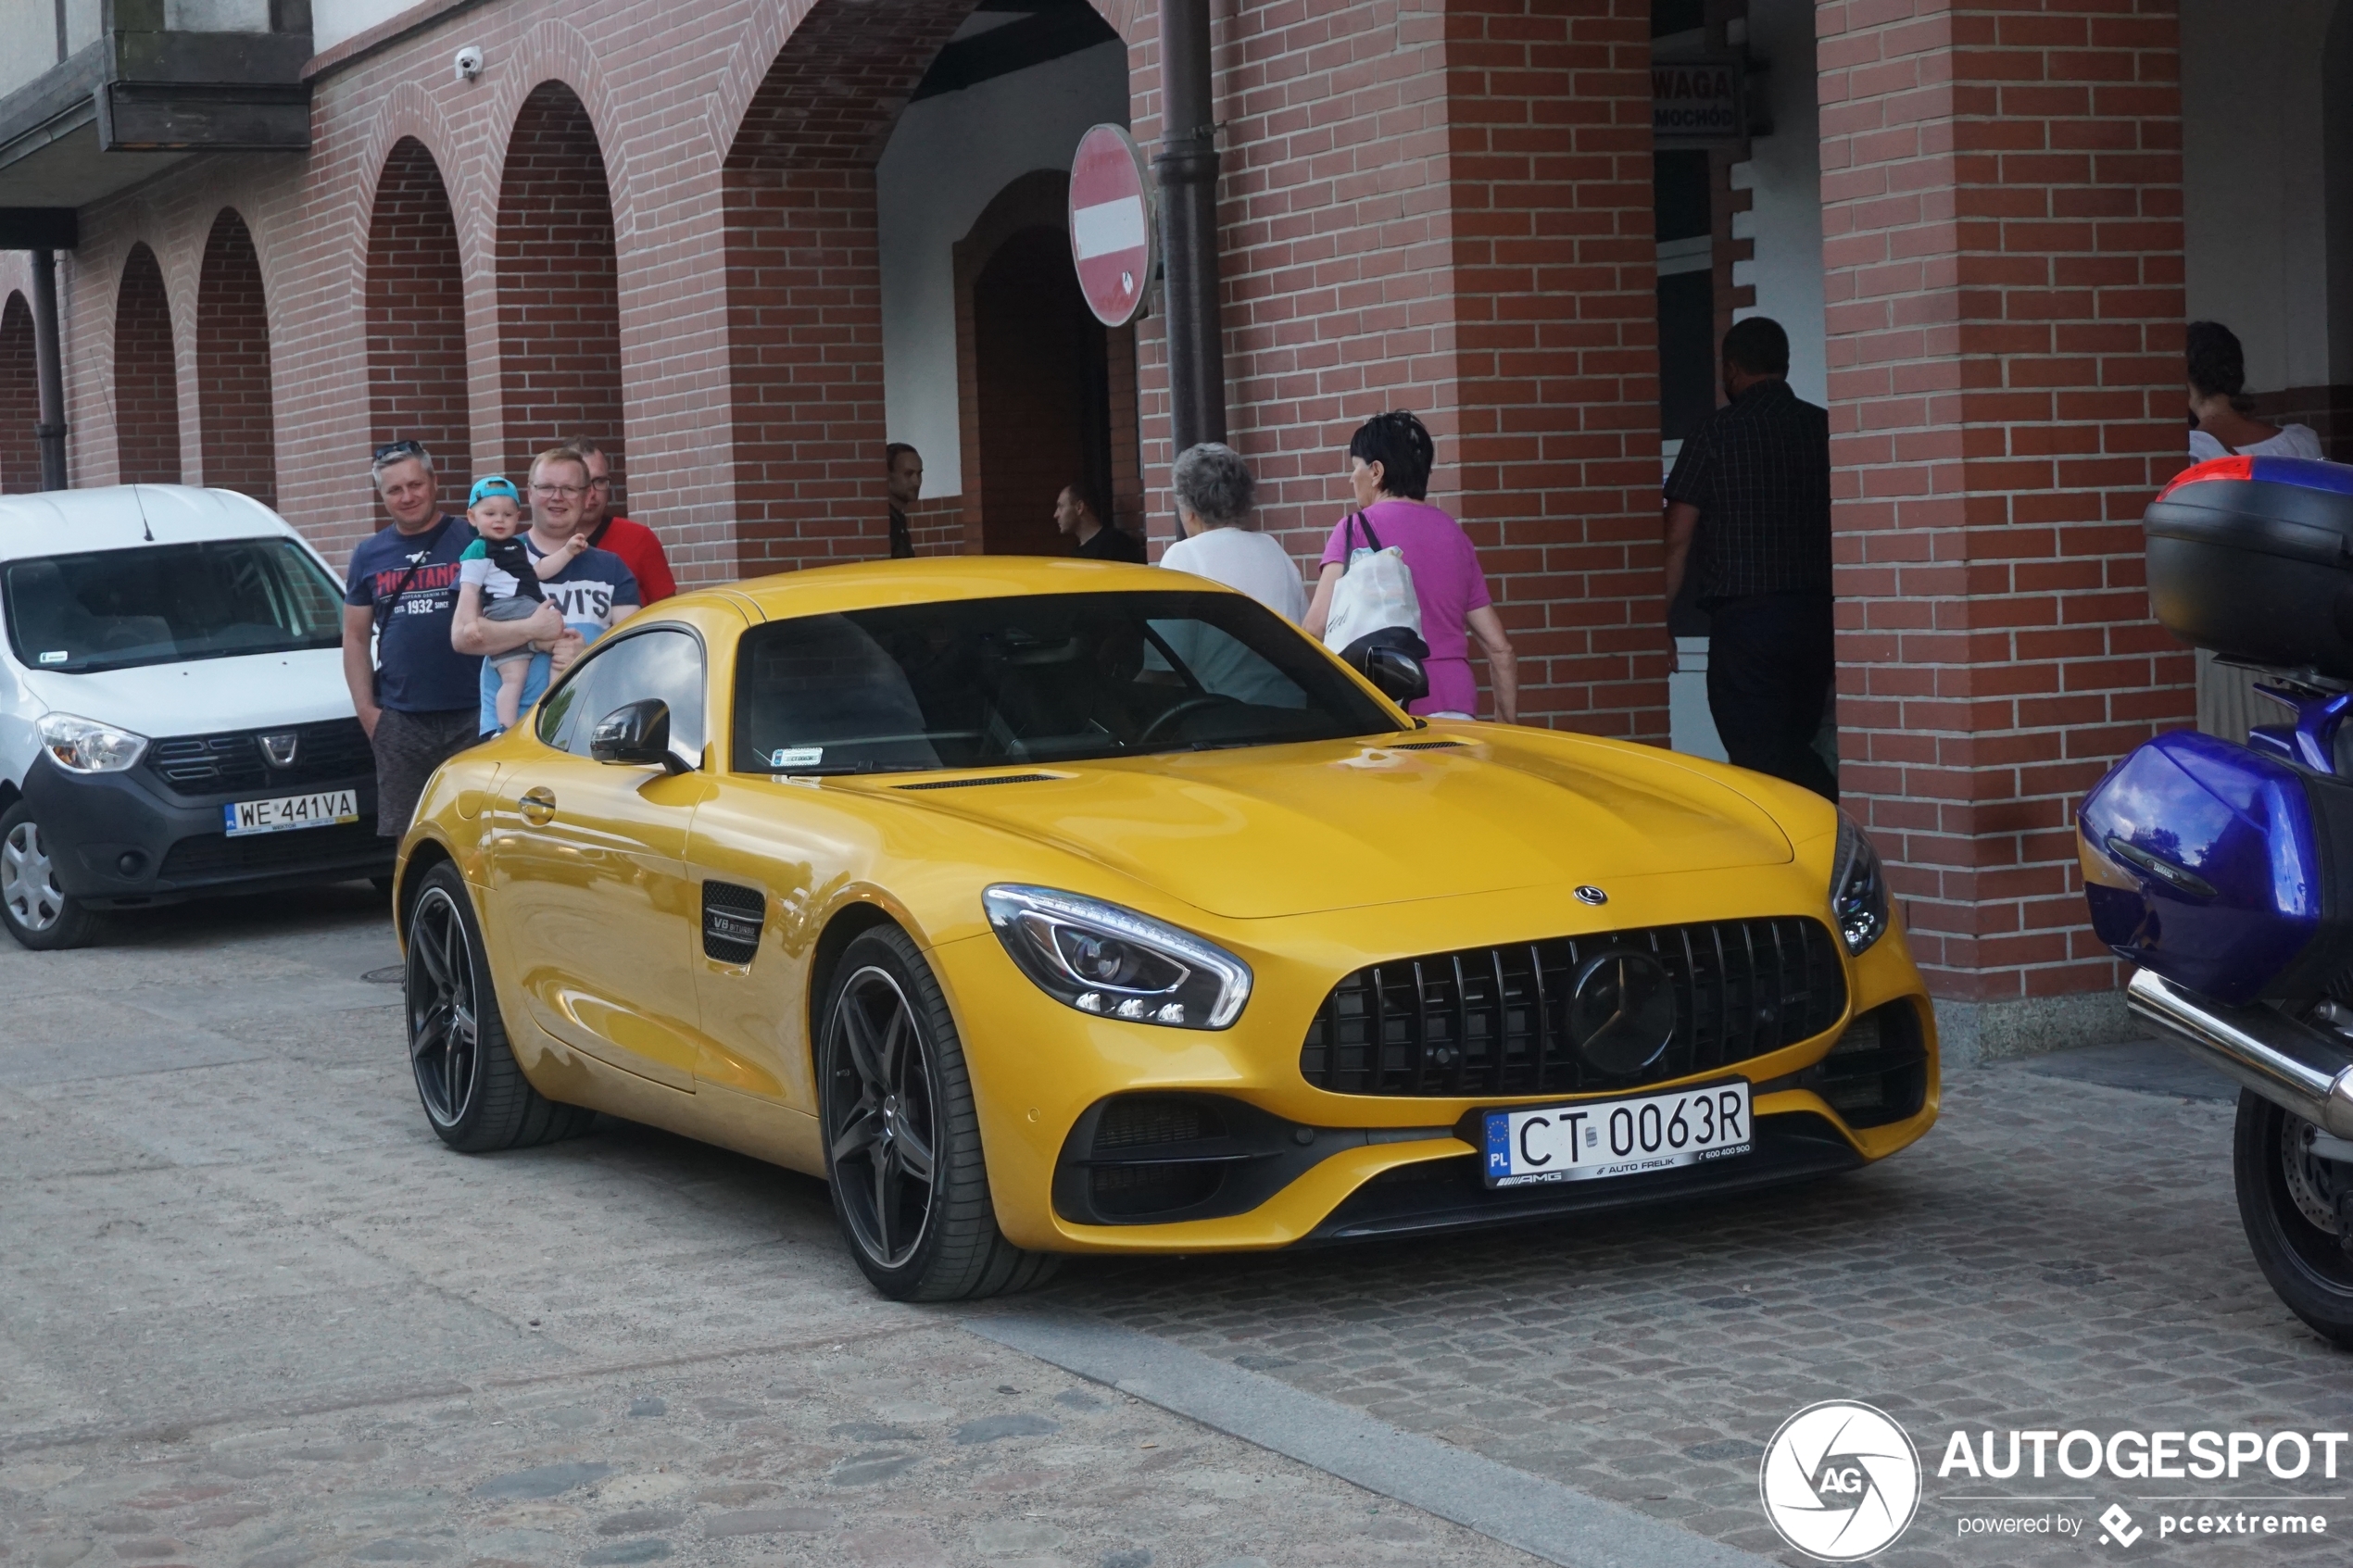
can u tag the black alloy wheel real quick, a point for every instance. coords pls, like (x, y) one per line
(2289, 1203)
(903, 1140)
(474, 1090)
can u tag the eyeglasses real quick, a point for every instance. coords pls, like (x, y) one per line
(560, 489)
(602, 482)
(393, 449)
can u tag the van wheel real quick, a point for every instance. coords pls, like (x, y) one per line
(37, 912)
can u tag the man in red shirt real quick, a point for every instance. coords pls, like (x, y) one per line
(637, 545)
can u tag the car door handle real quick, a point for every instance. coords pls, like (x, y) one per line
(537, 806)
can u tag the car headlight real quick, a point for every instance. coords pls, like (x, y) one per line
(1858, 889)
(1104, 960)
(85, 745)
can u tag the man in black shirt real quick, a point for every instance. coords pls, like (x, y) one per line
(1080, 522)
(906, 488)
(1748, 510)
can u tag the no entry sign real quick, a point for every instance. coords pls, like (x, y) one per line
(1112, 241)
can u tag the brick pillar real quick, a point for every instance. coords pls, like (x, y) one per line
(558, 282)
(417, 318)
(146, 381)
(20, 401)
(234, 408)
(2001, 196)
(804, 285)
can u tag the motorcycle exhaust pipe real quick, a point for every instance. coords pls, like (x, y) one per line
(2291, 1064)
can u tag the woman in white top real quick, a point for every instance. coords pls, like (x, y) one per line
(1214, 495)
(2220, 411)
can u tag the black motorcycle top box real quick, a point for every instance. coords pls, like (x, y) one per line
(2252, 558)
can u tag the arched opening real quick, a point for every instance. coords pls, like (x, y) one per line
(864, 156)
(233, 406)
(19, 400)
(147, 377)
(417, 317)
(559, 303)
(1034, 372)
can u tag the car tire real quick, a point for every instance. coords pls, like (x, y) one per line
(2284, 1203)
(471, 1088)
(38, 913)
(896, 1107)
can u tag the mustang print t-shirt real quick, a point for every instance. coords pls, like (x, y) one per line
(594, 592)
(418, 671)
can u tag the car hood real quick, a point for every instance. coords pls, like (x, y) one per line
(1298, 830)
(204, 695)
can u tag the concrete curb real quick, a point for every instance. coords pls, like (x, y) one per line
(1543, 1518)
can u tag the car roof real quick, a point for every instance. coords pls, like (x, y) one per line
(123, 516)
(826, 589)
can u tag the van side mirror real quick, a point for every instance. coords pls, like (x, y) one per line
(637, 734)
(1398, 674)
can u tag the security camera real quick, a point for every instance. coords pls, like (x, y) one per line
(468, 62)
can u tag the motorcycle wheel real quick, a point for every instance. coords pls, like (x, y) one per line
(2287, 1201)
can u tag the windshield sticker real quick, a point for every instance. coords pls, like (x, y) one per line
(57, 657)
(796, 757)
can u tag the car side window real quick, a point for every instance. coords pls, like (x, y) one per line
(659, 662)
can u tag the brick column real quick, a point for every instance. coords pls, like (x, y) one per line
(2001, 192)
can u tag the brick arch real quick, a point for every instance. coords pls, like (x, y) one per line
(554, 52)
(558, 287)
(416, 316)
(19, 400)
(234, 407)
(146, 380)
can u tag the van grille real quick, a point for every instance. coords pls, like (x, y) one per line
(335, 751)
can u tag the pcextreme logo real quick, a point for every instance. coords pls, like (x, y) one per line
(1840, 1480)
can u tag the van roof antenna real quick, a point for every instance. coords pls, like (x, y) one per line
(138, 500)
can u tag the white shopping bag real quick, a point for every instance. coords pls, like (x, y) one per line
(1374, 594)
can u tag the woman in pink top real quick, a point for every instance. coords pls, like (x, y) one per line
(1390, 459)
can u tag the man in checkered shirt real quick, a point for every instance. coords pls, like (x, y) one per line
(1748, 510)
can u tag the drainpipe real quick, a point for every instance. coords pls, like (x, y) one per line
(1187, 169)
(50, 370)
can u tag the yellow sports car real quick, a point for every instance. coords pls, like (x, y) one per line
(1048, 906)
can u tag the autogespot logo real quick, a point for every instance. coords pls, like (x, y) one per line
(1840, 1480)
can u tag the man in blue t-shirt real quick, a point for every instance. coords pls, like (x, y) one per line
(594, 594)
(414, 694)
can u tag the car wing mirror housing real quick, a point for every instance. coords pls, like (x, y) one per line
(637, 734)
(1391, 659)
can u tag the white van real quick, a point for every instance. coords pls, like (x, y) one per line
(173, 717)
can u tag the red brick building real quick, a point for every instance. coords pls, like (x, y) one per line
(748, 242)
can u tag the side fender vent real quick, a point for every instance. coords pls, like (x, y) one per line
(732, 918)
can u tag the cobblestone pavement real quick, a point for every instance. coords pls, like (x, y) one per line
(253, 1314)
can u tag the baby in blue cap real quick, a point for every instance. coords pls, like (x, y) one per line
(499, 571)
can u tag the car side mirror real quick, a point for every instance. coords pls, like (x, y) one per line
(1398, 674)
(636, 736)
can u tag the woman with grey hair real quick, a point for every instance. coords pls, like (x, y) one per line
(1214, 495)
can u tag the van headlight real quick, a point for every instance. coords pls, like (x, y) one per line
(1112, 962)
(85, 745)
(1858, 889)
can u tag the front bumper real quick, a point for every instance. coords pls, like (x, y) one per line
(122, 840)
(1363, 1165)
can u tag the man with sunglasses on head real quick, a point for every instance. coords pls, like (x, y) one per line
(637, 545)
(416, 696)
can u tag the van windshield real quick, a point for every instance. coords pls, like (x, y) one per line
(164, 604)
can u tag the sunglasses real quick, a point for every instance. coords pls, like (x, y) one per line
(392, 449)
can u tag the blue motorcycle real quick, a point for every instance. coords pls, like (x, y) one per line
(2224, 872)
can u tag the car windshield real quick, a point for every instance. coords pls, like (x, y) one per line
(1047, 678)
(162, 604)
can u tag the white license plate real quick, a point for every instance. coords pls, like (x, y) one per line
(291, 812)
(1617, 1138)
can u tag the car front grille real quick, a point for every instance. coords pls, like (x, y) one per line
(207, 855)
(334, 750)
(1495, 1021)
